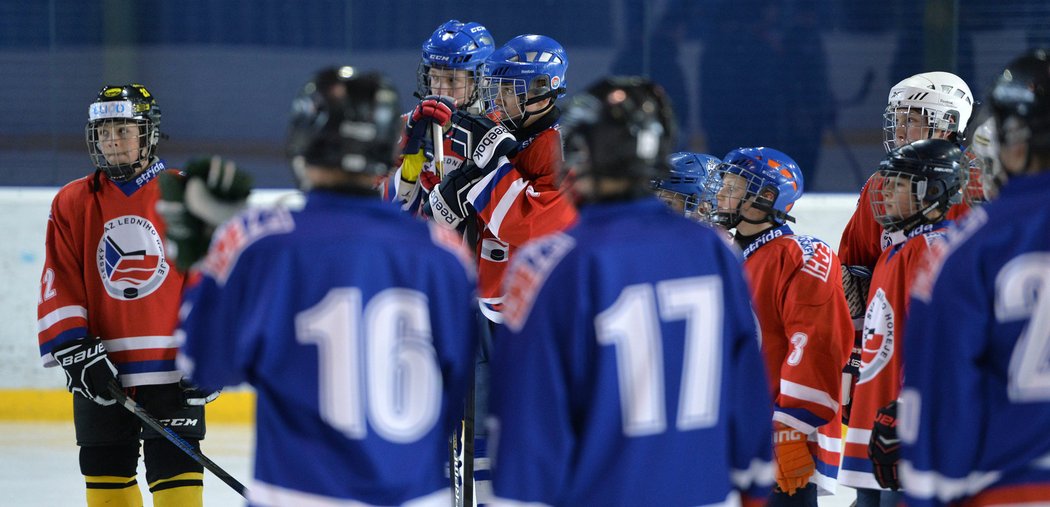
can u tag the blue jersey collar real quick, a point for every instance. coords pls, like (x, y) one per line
(131, 186)
(749, 244)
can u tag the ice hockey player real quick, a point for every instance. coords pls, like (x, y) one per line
(353, 321)
(804, 321)
(108, 309)
(910, 196)
(448, 80)
(976, 402)
(685, 188)
(930, 105)
(507, 192)
(616, 361)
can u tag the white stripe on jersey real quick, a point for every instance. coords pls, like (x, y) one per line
(806, 393)
(59, 314)
(927, 484)
(140, 343)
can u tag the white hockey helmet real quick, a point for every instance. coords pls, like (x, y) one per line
(943, 99)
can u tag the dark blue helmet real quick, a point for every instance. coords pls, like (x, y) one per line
(915, 180)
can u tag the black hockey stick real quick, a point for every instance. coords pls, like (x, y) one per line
(130, 404)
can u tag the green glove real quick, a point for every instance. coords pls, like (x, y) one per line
(211, 192)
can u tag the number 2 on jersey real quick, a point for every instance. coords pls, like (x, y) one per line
(376, 364)
(1022, 291)
(632, 324)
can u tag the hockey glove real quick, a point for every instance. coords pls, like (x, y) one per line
(484, 140)
(433, 109)
(884, 449)
(193, 396)
(447, 203)
(794, 463)
(212, 191)
(856, 280)
(850, 376)
(88, 369)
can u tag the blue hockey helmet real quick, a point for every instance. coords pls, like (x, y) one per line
(455, 46)
(767, 179)
(687, 187)
(527, 70)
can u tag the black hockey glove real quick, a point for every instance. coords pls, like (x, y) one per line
(850, 376)
(88, 369)
(433, 109)
(193, 396)
(447, 203)
(482, 140)
(212, 191)
(856, 280)
(884, 449)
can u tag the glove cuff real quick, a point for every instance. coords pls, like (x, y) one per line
(443, 213)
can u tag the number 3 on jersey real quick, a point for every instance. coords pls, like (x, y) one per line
(377, 364)
(633, 326)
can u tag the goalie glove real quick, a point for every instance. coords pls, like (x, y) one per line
(88, 369)
(433, 109)
(212, 191)
(193, 396)
(794, 463)
(884, 449)
(485, 141)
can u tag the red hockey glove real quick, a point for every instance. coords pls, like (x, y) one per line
(433, 109)
(88, 369)
(794, 463)
(884, 449)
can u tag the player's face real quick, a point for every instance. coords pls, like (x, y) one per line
(897, 200)
(911, 124)
(119, 141)
(455, 83)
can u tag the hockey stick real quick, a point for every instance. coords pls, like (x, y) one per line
(438, 133)
(168, 433)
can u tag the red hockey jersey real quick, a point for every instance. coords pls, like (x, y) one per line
(863, 239)
(806, 333)
(881, 370)
(106, 275)
(517, 202)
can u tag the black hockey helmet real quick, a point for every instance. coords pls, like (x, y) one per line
(1020, 103)
(125, 105)
(619, 128)
(345, 120)
(916, 180)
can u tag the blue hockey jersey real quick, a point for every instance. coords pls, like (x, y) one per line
(356, 324)
(629, 372)
(974, 415)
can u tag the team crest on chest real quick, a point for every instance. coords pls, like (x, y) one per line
(130, 258)
(878, 340)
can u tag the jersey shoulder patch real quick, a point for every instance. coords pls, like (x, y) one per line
(817, 256)
(528, 272)
(240, 232)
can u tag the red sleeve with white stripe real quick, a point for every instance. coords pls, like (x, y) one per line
(62, 302)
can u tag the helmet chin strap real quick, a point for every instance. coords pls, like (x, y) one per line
(552, 94)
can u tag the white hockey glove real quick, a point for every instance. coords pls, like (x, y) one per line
(212, 192)
(88, 369)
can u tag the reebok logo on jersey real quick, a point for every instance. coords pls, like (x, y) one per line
(130, 258)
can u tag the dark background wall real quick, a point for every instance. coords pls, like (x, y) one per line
(808, 77)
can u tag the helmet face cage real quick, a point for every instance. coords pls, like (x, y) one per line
(927, 105)
(688, 187)
(451, 61)
(527, 70)
(760, 178)
(122, 131)
(915, 180)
